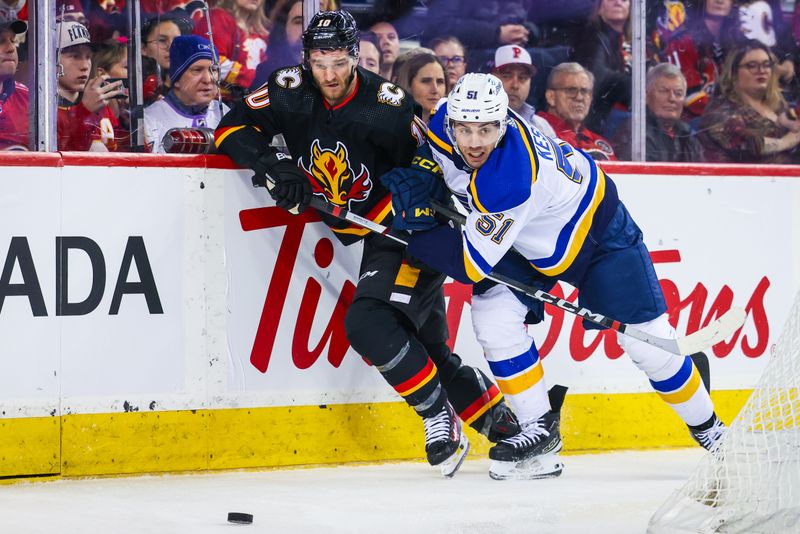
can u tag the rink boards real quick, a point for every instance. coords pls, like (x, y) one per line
(157, 313)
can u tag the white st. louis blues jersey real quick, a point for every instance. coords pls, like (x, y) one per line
(536, 193)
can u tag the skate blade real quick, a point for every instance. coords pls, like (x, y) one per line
(545, 466)
(451, 465)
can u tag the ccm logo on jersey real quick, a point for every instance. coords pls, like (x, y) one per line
(426, 164)
(418, 212)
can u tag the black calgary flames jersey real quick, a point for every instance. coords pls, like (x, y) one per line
(343, 149)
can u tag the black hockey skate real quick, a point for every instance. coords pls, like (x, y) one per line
(709, 435)
(533, 453)
(445, 444)
(502, 423)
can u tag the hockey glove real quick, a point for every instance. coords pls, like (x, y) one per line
(289, 187)
(411, 192)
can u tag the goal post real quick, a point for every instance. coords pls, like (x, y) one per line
(751, 483)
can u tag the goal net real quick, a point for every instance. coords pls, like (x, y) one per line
(751, 483)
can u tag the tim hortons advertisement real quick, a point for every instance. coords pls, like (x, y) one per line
(716, 241)
(156, 288)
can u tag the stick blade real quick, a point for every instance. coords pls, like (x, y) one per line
(712, 334)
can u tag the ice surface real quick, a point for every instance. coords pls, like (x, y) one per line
(598, 493)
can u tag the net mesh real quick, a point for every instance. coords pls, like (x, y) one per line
(751, 483)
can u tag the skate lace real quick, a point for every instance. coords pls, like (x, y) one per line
(530, 435)
(437, 428)
(710, 437)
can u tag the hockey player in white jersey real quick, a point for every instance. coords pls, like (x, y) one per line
(540, 211)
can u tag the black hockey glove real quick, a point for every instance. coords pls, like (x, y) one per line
(290, 188)
(411, 191)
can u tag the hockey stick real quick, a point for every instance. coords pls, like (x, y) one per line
(698, 341)
(704, 338)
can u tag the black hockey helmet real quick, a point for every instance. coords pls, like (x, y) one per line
(331, 30)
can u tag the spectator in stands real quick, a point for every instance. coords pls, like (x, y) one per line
(14, 100)
(482, 24)
(422, 75)
(110, 60)
(191, 101)
(749, 122)
(240, 29)
(85, 122)
(453, 56)
(157, 35)
(71, 11)
(161, 6)
(762, 20)
(513, 65)
(369, 52)
(107, 20)
(699, 50)
(569, 97)
(605, 49)
(13, 10)
(390, 46)
(668, 137)
(285, 48)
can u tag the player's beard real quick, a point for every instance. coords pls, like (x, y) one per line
(338, 95)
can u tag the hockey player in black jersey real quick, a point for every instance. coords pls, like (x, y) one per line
(345, 127)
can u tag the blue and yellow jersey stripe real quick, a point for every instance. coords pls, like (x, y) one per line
(573, 235)
(475, 265)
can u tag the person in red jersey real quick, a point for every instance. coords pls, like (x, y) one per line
(569, 99)
(13, 95)
(85, 121)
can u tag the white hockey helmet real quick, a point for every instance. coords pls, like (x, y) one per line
(477, 97)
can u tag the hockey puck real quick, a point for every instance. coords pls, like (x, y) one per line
(240, 518)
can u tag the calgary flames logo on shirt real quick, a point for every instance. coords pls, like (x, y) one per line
(332, 176)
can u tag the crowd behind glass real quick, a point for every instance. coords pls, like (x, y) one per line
(721, 83)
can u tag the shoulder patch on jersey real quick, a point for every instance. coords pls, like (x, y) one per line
(389, 93)
(289, 78)
(504, 181)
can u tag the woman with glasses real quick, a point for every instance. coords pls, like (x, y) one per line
(750, 122)
(158, 33)
(452, 54)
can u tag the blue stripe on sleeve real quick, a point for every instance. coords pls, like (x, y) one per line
(477, 258)
(566, 232)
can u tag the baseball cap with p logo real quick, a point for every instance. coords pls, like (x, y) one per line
(512, 54)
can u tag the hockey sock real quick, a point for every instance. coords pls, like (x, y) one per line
(674, 378)
(375, 332)
(521, 379)
(469, 390)
(684, 391)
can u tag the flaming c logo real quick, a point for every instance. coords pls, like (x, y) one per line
(332, 176)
